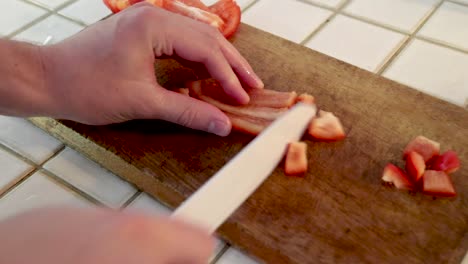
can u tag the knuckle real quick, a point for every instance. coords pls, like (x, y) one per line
(187, 117)
(213, 33)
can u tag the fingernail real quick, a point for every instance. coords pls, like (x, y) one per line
(219, 128)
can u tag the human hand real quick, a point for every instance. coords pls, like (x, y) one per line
(105, 74)
(100, 236)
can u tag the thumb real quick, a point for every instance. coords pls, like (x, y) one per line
(190, 112)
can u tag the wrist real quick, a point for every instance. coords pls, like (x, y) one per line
(23, 87)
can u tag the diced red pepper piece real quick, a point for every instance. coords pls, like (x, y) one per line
(296, 159)
(415, 165)
(306, 98)
(447, 162)
(396, 176)
(425, 147)
(326, 127)
(438, 183)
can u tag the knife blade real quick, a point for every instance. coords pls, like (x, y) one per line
(215, 201)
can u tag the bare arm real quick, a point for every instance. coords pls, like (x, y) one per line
(105, 73)
(22, 82)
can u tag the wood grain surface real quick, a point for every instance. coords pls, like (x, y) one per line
(340, 212)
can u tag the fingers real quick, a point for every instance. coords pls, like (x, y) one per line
(189, 112)
(184, 243)
(199, 42)
(240, 65)
(220, 69)
(149, 239)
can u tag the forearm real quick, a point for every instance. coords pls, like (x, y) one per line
(23, 88)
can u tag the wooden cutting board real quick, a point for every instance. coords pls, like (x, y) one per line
(340, 212)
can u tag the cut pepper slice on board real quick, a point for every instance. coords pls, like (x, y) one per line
(447, 162)
(326, 127)
(224, 15)
(305, 98)
(296, 159)
(396, 176)
(423, 146)
(438, 183)
(415, 165)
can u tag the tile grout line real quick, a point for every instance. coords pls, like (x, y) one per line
(383, 66)
(324, 23)
(131, 199)
(340, 11)
(49, 12)
(28, 25)
(441, 43)
(36, 167)
(220, 253)
(71, 187)
(249, 6)
(333, 9)
(455, 2)
(18, 182)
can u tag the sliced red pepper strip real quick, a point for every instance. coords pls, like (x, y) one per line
(253, 126)
(184, 91)
(271, 98)
(268, 113)
(198, 90)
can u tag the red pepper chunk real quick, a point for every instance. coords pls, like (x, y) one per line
(296, 159)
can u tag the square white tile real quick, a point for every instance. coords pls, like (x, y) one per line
(289, 19)
(51, 4)
(449, 25)
(12, 170)
(356, 42)
(90, 178)
(330, 3)
(87, 11)
(234, 256)
(400, 14)
(26, 139)
(56, 27)
(433, 69)
(147, 204)
(14, 14)
(36, 192)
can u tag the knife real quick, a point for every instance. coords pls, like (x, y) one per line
(225, 191)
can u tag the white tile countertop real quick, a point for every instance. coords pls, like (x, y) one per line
(404, 40)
